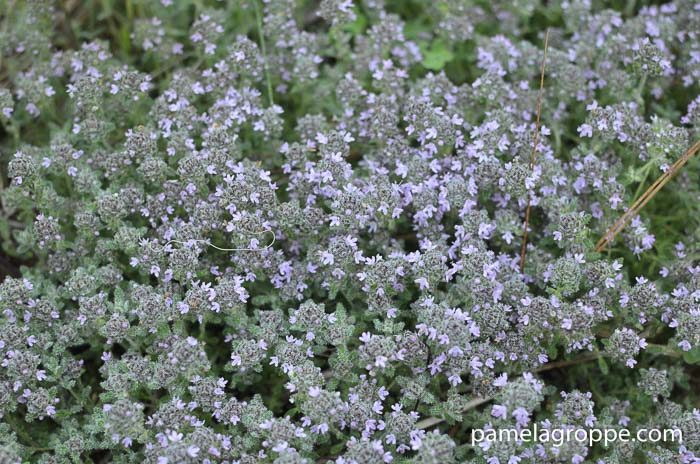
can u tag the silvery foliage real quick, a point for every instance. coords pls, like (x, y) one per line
(366, 215)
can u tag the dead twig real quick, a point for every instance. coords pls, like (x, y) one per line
(536, 137)
(633, 210)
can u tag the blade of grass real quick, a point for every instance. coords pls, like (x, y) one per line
(261, 36)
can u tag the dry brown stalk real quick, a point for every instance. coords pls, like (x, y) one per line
(533, 154)
(653, 189)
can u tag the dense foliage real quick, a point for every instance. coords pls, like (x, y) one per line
(289, 231)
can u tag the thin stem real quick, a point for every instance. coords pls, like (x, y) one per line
(646, 170)
(533, 154)
(431, 421)
(476, 402)
(570, 362)
(639, 91)
(665, 350)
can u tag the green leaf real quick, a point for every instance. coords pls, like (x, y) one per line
(435, 57)
(358, 26)
(655, 349)
(4, 230)
(603, 365)
(692, 356)
(335, 449)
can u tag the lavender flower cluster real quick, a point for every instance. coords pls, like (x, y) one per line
(290, 232)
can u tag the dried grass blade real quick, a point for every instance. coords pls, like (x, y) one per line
(533, 153)
(638, 204)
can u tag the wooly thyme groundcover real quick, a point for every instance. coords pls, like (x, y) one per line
(276, 231)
